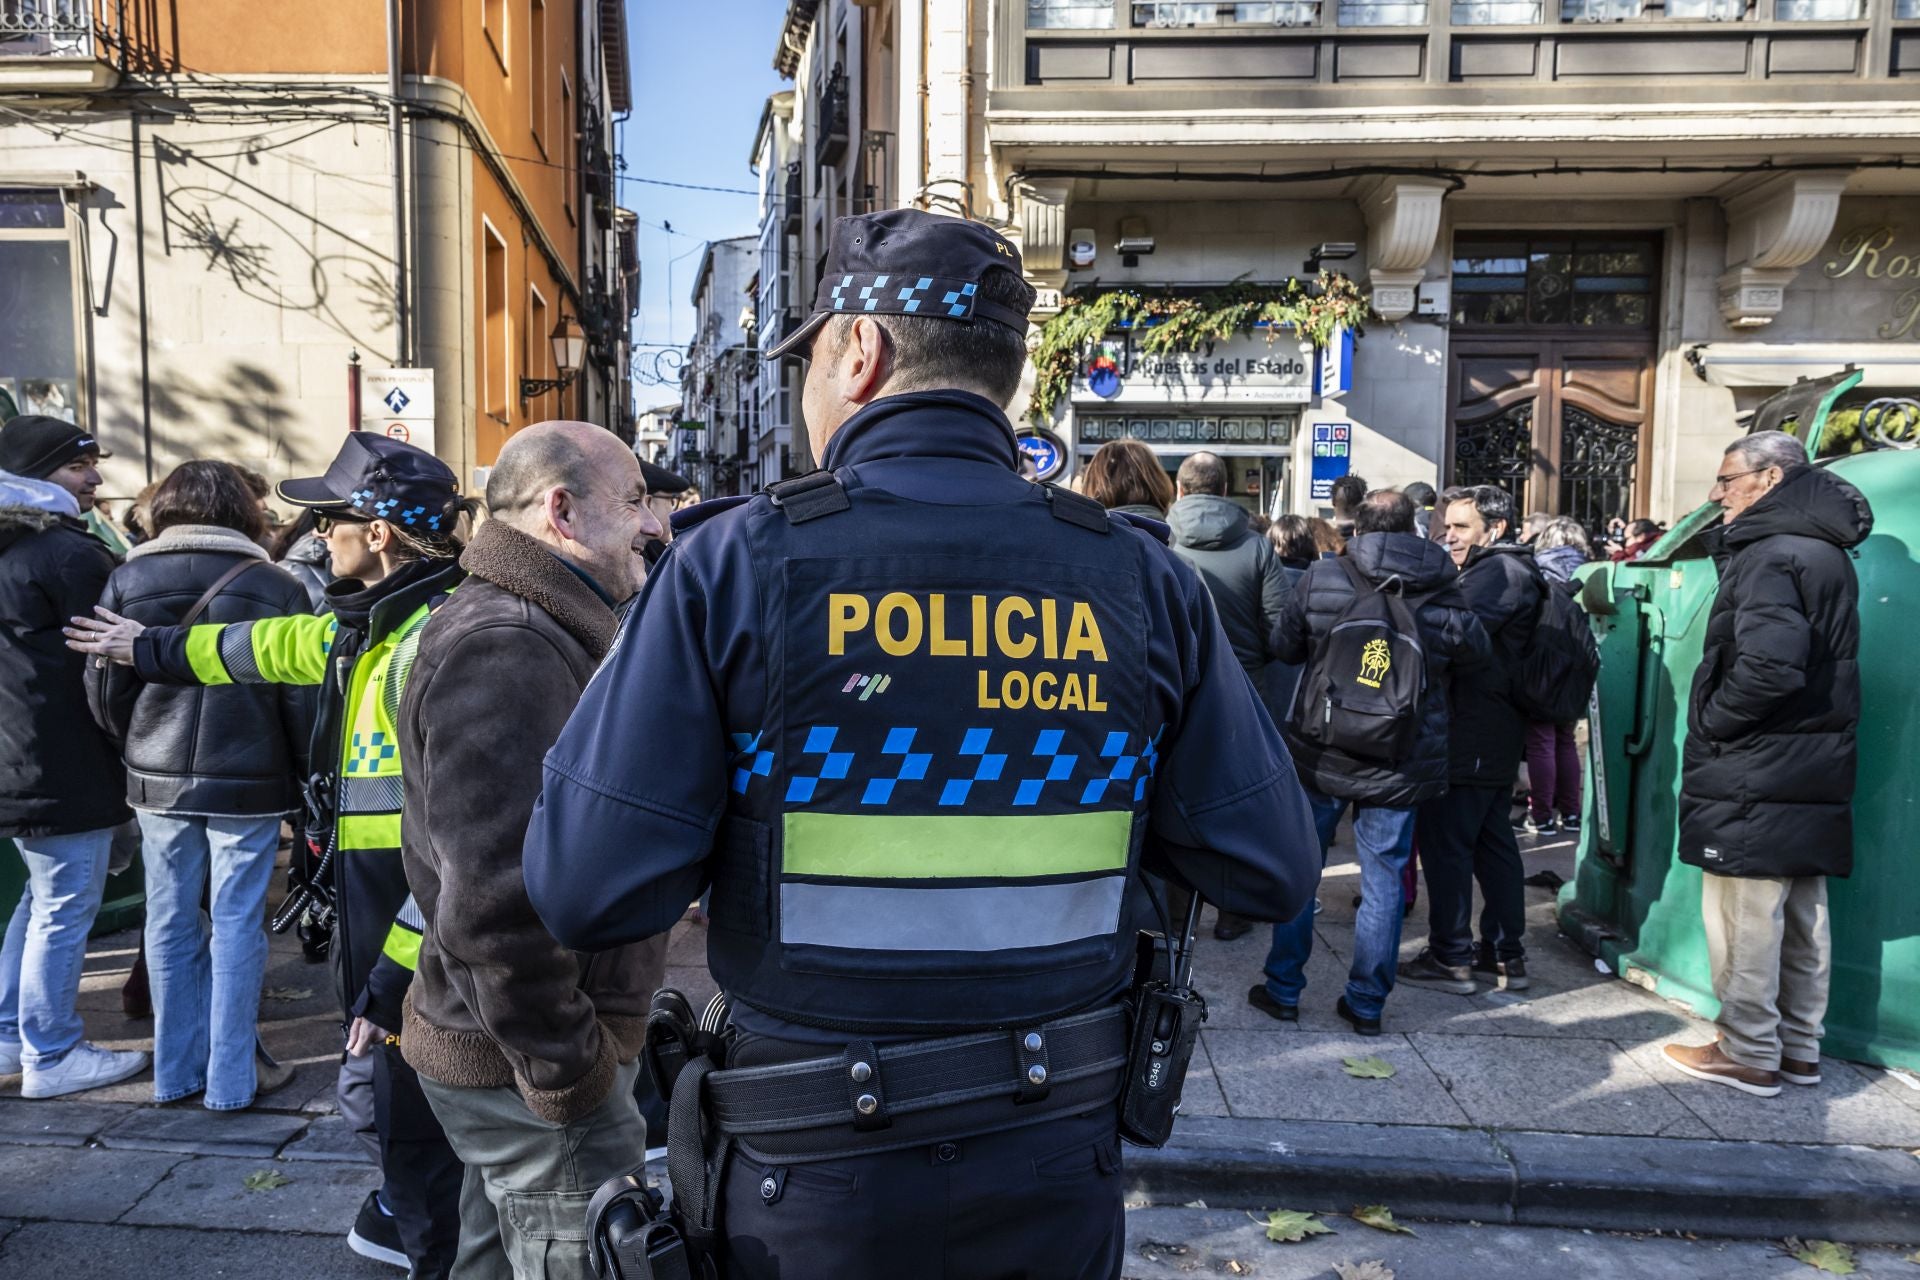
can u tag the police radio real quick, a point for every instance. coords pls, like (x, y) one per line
(1167, 1013)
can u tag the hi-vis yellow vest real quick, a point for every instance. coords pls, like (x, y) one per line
(367, 787)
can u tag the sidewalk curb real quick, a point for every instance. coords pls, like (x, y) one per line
(1708, 1187)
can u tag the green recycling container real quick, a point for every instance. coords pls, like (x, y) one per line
(1632, 902)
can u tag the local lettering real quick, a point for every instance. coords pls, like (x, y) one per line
(1044, 629)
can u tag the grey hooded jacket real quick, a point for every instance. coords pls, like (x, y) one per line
(1250, 587)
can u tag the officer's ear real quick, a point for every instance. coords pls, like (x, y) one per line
(866, 360)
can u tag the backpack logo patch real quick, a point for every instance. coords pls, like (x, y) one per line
(1375, 660)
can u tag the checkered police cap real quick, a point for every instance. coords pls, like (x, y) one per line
(907, 262)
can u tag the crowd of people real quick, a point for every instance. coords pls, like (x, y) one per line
(244, 693)
(436, 714)
(1474, 578)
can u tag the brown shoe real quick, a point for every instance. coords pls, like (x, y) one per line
(1707, 1062)
(1794, 1071)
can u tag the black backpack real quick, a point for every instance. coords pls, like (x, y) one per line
(1557, 669)
(1362, 691)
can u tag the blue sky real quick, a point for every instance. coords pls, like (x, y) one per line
(701, 73)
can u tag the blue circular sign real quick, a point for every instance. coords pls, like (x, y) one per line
(1045, 451)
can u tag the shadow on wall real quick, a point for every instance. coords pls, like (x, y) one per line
(268, 249)
(237, 414)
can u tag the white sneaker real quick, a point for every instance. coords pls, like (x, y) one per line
(10, 1059)
(86, 1066)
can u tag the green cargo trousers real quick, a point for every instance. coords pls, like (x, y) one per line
(523, 1205)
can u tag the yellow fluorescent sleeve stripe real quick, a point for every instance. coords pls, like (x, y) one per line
(369, 830)
(952, 846)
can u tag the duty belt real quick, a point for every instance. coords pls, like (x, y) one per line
(883, 1098)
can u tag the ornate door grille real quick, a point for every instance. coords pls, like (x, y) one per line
(1598, 460)
(1496, 451)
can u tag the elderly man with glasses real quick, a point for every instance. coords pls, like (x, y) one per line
(1766, 789)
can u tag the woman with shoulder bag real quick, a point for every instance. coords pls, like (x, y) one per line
(210, 774)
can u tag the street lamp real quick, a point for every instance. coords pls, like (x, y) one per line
(569, 354)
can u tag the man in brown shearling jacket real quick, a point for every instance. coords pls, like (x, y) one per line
(528, 1051)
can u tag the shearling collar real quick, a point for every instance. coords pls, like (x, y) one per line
(200, 537)
(522, 565)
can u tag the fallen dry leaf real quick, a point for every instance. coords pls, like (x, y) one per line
(1371, 1269)
(1380, 1218)
(1289, 1226)
(1822, 1255)
(265, 1180)
(1368, 1068)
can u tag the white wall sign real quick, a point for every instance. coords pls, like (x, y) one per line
(398, 403)
(1247, 370)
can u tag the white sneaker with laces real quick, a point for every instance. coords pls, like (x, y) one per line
(10, 1059)
(86, 1066)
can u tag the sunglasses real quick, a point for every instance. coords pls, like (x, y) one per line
(323, 524)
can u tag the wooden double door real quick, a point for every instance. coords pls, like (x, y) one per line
(1562, 423)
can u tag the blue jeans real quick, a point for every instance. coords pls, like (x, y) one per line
(46, 943)
(205, 968)
(1384, 838)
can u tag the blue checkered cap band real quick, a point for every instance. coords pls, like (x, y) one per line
(909, 294)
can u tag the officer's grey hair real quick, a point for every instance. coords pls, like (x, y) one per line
(932, 355)
(1769, 449)
(1493, 503)
(1203, 473)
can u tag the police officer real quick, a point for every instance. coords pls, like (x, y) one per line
(918, 723)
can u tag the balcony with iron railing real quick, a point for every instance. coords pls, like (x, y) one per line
(832, 122)
(1087, 45)
(59, 44)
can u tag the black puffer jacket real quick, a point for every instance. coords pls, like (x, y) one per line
(230, 750)
(1488, 733)
(1449, 632)
(1767, 783)
(312, 567)
(58, 773)
(1243, 574)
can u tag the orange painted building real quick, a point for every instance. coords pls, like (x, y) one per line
(219, 207)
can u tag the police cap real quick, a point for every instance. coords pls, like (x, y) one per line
(908, 262)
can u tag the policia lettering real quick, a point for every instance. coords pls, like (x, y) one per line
(1013, 627)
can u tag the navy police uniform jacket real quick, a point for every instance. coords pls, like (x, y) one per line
(918, 745)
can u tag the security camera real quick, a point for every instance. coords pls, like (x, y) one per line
(1330, 251)
(1134, 241)
(1082, 247)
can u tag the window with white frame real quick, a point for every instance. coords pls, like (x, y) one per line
(536, 348)
(1383, 13)
(1495, 13)
(1819, 10)
(1906, 10)
(537, 81)
(495, 324)
(39, 356)
(1601, 10)
(1069, 15)
(1706, 10)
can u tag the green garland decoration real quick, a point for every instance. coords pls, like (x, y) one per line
(1170, 323)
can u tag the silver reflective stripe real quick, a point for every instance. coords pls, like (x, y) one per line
(410, 916)
(1000, 918)
(370, 795)
(236, 654)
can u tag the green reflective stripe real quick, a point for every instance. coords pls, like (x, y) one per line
(369, 831)
(402, 946)
(203, 654)
(951, 846)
